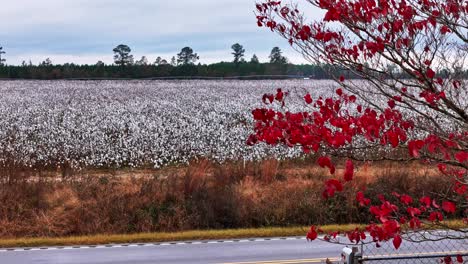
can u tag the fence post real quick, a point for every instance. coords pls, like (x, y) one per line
(357, 256)
(350, 255)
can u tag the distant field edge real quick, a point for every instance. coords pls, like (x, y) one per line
(177, 236)
(245, 77)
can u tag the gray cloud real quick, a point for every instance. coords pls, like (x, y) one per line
(90, 28)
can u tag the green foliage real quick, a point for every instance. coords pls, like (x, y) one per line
(238, 53)
(254, 59)
(187, 57)
(122, 55)
(2, 60)
(276, 56)
(164, 69)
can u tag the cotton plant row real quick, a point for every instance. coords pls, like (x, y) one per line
(136, 123)
(139, 123)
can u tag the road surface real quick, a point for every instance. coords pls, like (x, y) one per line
(264, 251)
(293, 250)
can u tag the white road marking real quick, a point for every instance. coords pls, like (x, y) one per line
(154, 244)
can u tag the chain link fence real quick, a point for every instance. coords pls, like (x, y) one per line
(420, 248)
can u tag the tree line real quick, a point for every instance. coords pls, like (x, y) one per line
(183, 64)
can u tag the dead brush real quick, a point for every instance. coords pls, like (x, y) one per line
(229, 173)
(196, 177)
(61, 213)
(278, 203)
(202, 195)
(269, 170)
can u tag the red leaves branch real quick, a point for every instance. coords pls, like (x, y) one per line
(336, 122)
(329, 124)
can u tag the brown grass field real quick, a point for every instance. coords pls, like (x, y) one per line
(108, 206)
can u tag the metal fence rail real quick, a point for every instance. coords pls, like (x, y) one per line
(430, 258)
(427, 247)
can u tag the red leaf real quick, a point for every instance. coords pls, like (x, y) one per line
(252, 140)
(459, 259)
(406, 199)
(308, 99)
(312, 234)
(361, 199)
(445, 29)
(436, 216)
(332, 15)
(336, 184)
(397, 241)
(413, 211)
(393, 137)
(442, 167)
(349, 171)
(259, 7)
(462, 156)
(449, 207)
(284, 11)
(279, 95)
(414, 147)
(363, 236)
(447, 260)
(415, 223)
(430, 73)
(460, 189)
(342, 79)
(326, 162)
(426, 201)
(332, 186)
(268, 97)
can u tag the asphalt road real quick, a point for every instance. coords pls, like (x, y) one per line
(275, 251)
(244, 251)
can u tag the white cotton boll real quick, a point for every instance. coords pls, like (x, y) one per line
(135, 123)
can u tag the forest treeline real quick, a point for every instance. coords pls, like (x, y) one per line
(183, 65)
(217, 70)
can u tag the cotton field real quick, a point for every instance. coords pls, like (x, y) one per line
(136, 123)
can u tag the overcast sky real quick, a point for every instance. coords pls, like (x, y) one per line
(85, 31)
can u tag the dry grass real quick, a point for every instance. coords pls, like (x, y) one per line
(203, 196)
(154, 237)
(181, 236)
